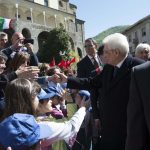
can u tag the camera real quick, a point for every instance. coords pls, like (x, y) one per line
(29, 40)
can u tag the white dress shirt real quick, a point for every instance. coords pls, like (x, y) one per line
(96, 58)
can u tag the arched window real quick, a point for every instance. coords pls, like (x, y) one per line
(79, 52)
(26, 33)
(42, 38)
(46, 2)
(60, 4)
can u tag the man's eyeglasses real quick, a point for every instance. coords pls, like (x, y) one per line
(4, 40)
(88, 46)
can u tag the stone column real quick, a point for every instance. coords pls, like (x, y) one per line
(65, 20)
(31, 15)
(55, 16)
(44, 18)
(17, 12)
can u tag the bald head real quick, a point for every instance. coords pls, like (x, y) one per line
(16, 36)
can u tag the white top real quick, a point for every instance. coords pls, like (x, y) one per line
(64, 131)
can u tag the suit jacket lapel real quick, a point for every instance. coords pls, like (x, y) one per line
(89, 63)
(123, 70)
(108, 77)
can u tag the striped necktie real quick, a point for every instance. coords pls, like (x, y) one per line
(96, 65)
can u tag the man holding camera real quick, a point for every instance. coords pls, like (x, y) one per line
(19, 43)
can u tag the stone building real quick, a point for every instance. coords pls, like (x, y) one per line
(36, 17)
(138, 33)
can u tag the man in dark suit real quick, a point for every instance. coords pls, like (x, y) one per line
(91, 64)
(113, 87)
(138, 112)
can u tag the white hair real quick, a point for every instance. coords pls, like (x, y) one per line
(141, 47)
(117, 41)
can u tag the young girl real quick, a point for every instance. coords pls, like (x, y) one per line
(58, 107)
(29, 134)
(45, 103)
(51, 108)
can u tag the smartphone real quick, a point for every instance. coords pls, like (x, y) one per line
(28, 41)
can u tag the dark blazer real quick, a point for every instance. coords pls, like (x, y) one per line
(138, 112)
(85, 68)
(113, 99)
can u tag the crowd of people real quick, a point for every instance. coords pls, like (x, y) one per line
(103, 105)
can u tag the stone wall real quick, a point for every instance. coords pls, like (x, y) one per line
(35, 30)
(31, 16)
(135, 35)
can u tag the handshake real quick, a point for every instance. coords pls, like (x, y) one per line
(58, 77)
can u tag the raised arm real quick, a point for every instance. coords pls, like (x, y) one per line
(66, 130)
(79, 83)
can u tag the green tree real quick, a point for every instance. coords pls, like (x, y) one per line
(58, 40)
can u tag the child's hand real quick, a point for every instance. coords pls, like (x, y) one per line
(83, 102)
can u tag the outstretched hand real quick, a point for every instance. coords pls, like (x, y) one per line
(30, 72)
(58, 77)
(61, 77)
